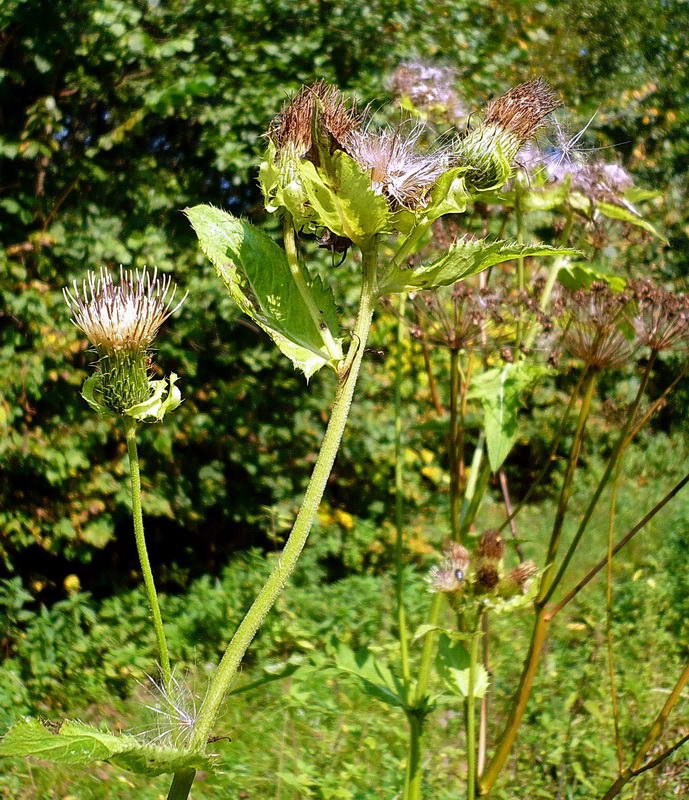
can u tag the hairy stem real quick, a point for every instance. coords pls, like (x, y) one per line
(285, 564)
(399, 500)
(147, 573)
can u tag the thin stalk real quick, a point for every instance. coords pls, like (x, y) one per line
(612, 462)
(399, 500)
(520, 261)
(608, 621)
(285, 564)
(510, 516)
(654, 733)
(471, 715)
(416, 716)
(432, 383)
(455, 478)
(551, 455)
(567, 483)
(301, 282)
(146, 572)
(483, 722)
(591, 574)
(470, 510)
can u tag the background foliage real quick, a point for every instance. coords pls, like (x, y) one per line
(116, 115)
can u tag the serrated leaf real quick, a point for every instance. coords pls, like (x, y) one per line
(80, 745)
(344, 200)
(613, 211)
(255, 271)
(375, 678)
(452, 664)
(499, 390)
(464, 258)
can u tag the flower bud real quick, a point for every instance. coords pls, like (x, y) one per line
(517, 581)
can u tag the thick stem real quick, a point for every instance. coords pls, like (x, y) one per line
(453, 450)
(287, 561)
(567, 484)
(301, 282)
(399, 500)
(146, 572)
(181, 785)
(509, 733)
(414, 773)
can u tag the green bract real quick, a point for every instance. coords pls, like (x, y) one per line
(80, 745)
(151, 410)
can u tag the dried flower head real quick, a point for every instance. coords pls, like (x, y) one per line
(518, 580)
(457, 553)
(121, 321)
(521, 110)
(292, 129)
(509, 122)
(397, 167)
(487, 577)
(448, 576)
(660, 318)
(428, 87)
(592, 326)
(491, 545)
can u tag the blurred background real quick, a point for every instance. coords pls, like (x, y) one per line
(114, 116)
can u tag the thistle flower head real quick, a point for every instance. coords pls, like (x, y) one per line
(518, 580)
(458, 554)
(121, 321)
(427, 86)
(397, 167)
(487, 576)
(124, 316)
(592, 326)
(291, 130)
(660, 318)
(509, 122)
(448, 576)
(522, 110)
(491, 545)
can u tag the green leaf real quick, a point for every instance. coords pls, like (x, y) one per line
(549, 197)
(344, 201)
(452, 665)
(255, 271)
(576, 276)
(464, 258)
(613, 211)
(80, 745)
(499, 390)
(91, 392)
(375, 678)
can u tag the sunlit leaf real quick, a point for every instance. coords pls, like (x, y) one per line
(626, 215)
(452, 664)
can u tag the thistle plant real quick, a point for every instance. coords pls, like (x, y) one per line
(376, 196)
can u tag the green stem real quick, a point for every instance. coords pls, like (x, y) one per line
(149, 583)
(567, 484)
(416, 715)
(520, 261)
(453, 454)
(471, 716)
(285, 564)
(181, 785)
(476, 488)
(399, 500)
(301, 282)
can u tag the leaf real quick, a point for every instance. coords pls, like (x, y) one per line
(423, 630)
(80, 745)
(549, 197)
(576, 276)
(627, 215)
(452, 665)
(155, 408)
(255, 270)
(91, 392)
(448, 195)
(376, 679)
(499, 390)
(344, 201)
(464, 258)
